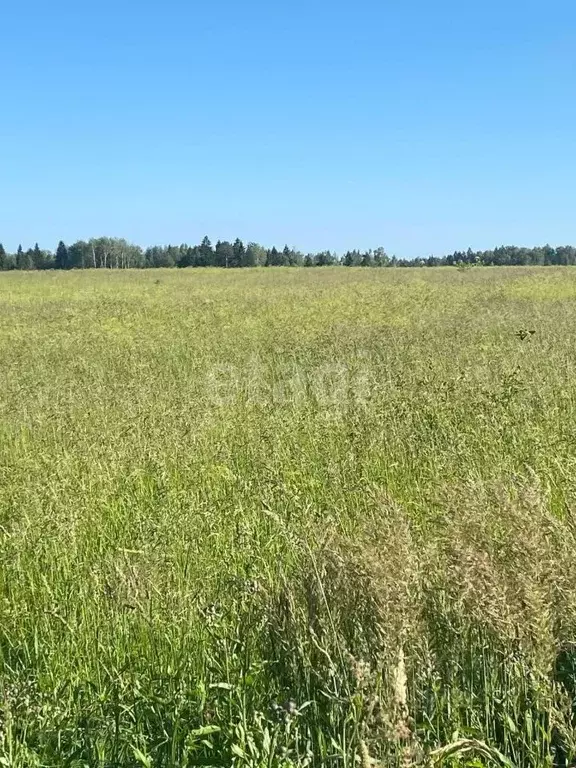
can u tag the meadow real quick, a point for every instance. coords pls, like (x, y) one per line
(287, 517)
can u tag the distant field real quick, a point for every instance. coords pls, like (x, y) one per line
(287, 517)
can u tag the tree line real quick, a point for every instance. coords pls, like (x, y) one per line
(117, 253)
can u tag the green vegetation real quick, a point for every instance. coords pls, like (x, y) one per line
(117, 253)
(288, 518)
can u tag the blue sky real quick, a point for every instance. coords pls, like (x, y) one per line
(417, 125)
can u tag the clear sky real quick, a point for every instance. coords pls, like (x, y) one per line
(420, 125)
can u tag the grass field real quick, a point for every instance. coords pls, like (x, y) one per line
(287, 517)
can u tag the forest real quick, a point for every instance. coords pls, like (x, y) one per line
(117, 253)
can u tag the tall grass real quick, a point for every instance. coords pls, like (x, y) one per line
(288, 518)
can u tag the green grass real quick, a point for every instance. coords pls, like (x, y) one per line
(287, 517)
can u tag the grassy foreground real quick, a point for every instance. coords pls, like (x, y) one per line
(288, 518)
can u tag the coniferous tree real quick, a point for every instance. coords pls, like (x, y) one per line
(61, 258)
(239, 254)
(287, 257)
(205, 254)
(38, 257)
(273, 258)
(188, 258)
